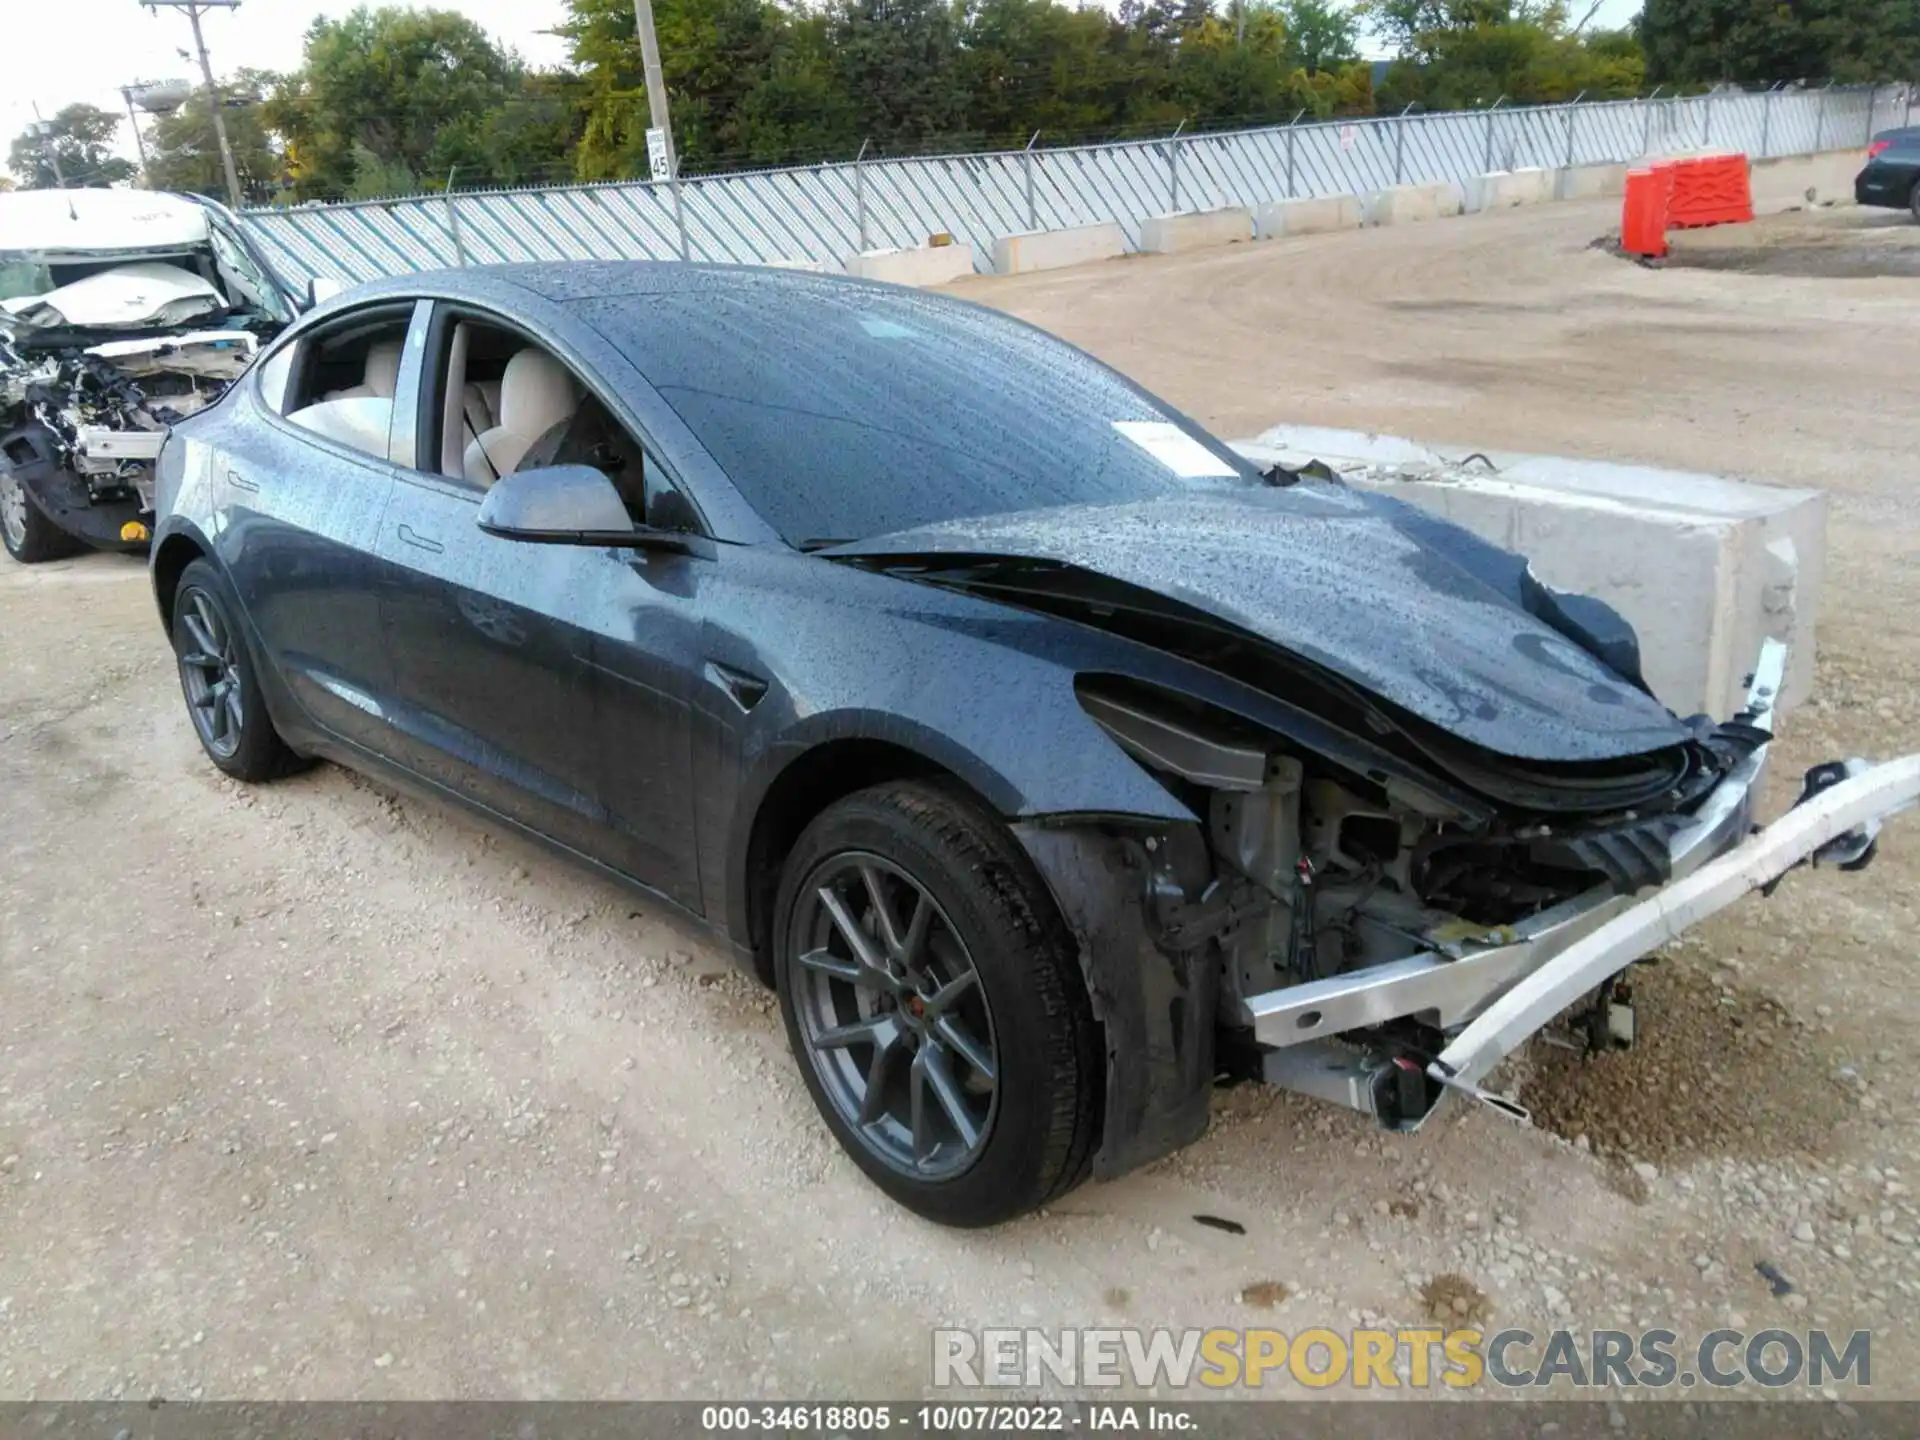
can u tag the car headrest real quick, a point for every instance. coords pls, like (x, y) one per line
(535, 393)
(383, 368)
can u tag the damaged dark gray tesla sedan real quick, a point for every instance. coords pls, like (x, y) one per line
(1048, 757)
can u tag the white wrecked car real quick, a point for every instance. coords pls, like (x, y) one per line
(121, 312)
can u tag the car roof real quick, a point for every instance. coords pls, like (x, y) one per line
(73, 222)
(571, 282)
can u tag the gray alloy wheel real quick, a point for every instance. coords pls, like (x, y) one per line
(210, 675)
(893, 1016)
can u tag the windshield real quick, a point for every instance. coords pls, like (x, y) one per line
(844, 412)
(20, 278)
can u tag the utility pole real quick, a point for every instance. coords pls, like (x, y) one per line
(194, 8)
(45, 132)
(139, 140)
(656, 87)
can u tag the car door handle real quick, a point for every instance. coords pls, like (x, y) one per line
(240, 482)
(410, 536)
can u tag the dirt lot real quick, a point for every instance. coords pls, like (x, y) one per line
(310, 1091)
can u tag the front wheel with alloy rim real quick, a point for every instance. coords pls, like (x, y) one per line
(217, 678)
(29, 536)
(935, 1004)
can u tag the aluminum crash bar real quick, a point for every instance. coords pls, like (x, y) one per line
(1857, 802)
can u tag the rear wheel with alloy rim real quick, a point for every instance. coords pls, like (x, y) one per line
(935, 1004)
(217, 678)
(29, 536)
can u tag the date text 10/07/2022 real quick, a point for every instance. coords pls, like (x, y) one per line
(947, 1418)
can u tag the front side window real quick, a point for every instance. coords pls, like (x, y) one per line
(506, 404)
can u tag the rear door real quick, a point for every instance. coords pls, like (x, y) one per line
(304, 494)
(546, 682)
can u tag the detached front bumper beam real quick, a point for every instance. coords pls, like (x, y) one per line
(1488, 999)
(1844, 809)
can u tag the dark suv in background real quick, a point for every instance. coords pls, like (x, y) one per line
(1892, 176)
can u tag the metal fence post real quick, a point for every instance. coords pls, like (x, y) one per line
(1290, 124)
(860, 192)
(1173, 168)
(1706, 122)
(680, 216)
(1400, 146)
(1646, 141)
(1820, 125)
(1026, 160)
(1573, 118)
(453, 218)
(1766, 123)
(1873, 104)
(1487, 167)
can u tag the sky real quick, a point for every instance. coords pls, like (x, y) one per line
(70, 50)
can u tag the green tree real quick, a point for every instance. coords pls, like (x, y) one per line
(748, 84)
(183, 152)
(899, 63)
(418, 91)
(1321, 36)
(81, 138)
(1849, 41)
(1457, 54)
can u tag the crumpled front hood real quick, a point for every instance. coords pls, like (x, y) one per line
(127, 296)
(1410, 608)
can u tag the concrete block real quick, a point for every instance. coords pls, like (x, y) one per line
(1195, 230)
(1308, 216)
(1590, 182)
(1053, 249)
(1703, 566)
(1793, 182)
(929, 265)
(1505, 189)
(1407, 204)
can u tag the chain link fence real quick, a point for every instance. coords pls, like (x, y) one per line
(821, 214)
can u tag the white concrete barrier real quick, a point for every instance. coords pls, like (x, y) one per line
(1309, 216)
(1052, 249)
(1704, 567)
(1195, 230)
(1590, 182)
(929, 265)
(1407, 204)
(1793, 182)
(1504, 189)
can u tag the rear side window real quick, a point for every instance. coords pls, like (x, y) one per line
(344, 382)
(275, 372)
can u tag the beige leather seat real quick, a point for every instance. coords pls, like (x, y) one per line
(536, 393)
(381, 377)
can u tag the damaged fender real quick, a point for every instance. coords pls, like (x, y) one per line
(1116, 882)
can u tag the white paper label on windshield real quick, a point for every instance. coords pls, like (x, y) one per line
(1175, 449)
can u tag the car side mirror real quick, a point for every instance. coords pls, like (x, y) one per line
(570, 505)
(322, 288)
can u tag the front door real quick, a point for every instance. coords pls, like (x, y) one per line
(548, 683)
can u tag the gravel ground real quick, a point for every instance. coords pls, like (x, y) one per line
(311, 1091)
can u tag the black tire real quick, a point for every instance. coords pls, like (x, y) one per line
(218, 681)
(28, 535)
(1033, 1022)
(1913, 201)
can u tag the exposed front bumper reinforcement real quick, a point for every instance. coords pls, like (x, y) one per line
(1847, 807)
(1491, 999)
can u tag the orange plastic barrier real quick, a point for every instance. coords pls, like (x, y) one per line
(1711, 190)
(1643, 214)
